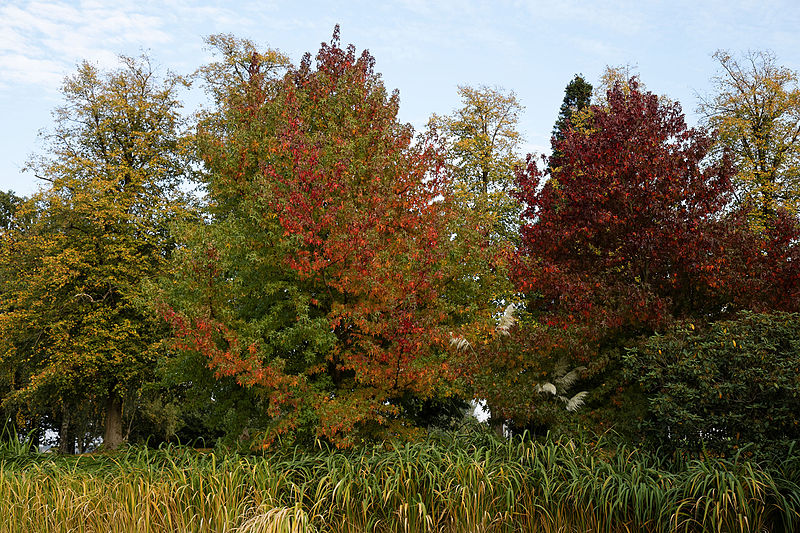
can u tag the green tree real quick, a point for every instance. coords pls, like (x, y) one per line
(214, 405)
(9, 203)
(721, 386)
(577, 96)
(73, 317)
(482, 142)
(756, 112)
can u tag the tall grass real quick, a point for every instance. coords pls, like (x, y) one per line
(464, 485)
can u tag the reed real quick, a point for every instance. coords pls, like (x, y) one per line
(456, 483)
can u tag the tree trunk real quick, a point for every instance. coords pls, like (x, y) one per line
(496, 422)
(112, 436)
(66, 440)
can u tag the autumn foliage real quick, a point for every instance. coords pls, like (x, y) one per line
(629, 228)
(76, 338)
(339, 277)
(328, 266)
(624, 232)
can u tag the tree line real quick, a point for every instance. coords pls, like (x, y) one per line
(335, 275)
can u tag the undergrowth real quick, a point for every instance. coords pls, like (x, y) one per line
(455, 482)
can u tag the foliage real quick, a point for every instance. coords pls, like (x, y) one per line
(458, 482)
(346, 278)
(73, 335)
(190, 404)
(524, 391)
(14, 446)
(729, 387)
(317, 279)
(618, 212)
(482, 141)
(577, 96)
(9, 203)
(756, 112)
(613, 76)
(761, 267)
(624, 235)
(482, 144)
(621, 76)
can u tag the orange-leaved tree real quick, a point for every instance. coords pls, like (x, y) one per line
(318, 279)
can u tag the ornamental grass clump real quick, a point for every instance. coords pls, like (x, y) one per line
(457, 482)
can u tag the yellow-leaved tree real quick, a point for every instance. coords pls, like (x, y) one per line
(756, 112)
(73, 329)
(482, 144)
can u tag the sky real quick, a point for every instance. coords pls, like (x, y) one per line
(423, 49)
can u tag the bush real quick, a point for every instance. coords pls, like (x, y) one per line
(732, 386)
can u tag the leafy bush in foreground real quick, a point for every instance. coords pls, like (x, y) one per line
(732, 385)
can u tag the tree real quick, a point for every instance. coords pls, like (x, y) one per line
(73, 317)
(620, 75)
(577, 96)
(623, 200)
(317, 280)
(614, 76)
(624, 235)
(482, 141)
(9, 203)
(756, 112)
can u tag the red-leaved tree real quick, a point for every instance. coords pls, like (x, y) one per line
(633, 229)
(319, 280)
(624, 233)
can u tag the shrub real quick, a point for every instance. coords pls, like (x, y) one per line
(731, 386)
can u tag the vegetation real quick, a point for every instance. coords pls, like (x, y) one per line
(756, 112)
(459, 482)
(326, 254)
(482, 146)
(730, 387)
(76, 340)
(577, 97)
(339, 289)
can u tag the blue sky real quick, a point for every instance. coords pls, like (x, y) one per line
(424, 49)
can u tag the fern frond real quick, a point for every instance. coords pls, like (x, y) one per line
(560, 367)
(460, 343)
(547, 387)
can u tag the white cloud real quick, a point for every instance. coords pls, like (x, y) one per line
(20, 69)
(620, 17)
(41, 41)
(596, 47)
(12, 40)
